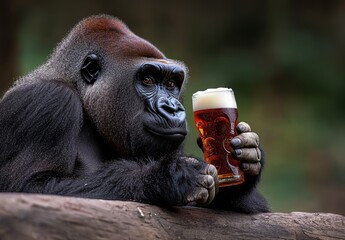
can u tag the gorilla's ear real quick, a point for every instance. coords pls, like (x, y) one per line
(91, 68)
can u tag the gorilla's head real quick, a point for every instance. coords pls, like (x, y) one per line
(130, 91)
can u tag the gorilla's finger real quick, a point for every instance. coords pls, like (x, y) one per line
(193, 162)
(247, 139)
(200, 196)
(243, 127)
(199, 142)
(212, 171)
(209, 170)
(204, 194)
(207, 182)
(251, 168)
(247, 155)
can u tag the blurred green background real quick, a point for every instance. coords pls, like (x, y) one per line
(284, 59)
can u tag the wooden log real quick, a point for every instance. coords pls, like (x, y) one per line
(28, 216)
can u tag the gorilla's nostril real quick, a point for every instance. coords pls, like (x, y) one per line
(170, 108)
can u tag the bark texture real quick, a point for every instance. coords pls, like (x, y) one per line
(26, 216)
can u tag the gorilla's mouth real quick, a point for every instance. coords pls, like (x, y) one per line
(177, 134)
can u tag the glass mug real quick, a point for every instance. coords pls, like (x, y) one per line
(216, 118)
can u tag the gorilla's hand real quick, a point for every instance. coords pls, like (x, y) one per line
(246, 149)
(206, 183)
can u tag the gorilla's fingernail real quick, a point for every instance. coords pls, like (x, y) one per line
(240, 128)
(235, 142)
(245, 166)
(238, 152)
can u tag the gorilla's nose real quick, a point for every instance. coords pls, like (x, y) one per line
(170, 108)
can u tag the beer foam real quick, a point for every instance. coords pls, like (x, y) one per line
(214, 98)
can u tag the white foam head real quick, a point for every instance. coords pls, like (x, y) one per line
(214, 98)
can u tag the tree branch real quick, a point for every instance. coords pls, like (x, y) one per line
(26, 216)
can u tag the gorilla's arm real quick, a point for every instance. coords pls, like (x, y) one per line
(40, 126)
(162, 183)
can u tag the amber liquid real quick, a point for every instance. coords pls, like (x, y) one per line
(217, 127)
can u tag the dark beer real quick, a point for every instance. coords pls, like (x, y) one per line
(216, 118)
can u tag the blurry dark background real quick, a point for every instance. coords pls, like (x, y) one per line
(284, 59)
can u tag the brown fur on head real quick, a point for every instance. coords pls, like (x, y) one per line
(106, 29)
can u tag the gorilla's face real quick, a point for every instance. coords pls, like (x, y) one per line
(159, 85)
(131, 93)
(139, 105)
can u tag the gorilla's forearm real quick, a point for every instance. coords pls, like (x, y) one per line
(122, 179)
(150, 182)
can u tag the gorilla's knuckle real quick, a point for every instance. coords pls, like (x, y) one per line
(257, 169)
(191, 160)
(248, 155)
(211, 170)
(243, 127)
(258, 153)
(249, 139)
(202, 196)
(254, 169)
(208, 182)
(256, 139)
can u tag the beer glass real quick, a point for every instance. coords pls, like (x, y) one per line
(216, 118)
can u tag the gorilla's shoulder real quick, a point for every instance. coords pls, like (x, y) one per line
(44, 106)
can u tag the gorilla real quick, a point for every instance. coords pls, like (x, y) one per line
(103, 119)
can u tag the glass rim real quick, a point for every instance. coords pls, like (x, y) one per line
(213, 98)
(213, 90)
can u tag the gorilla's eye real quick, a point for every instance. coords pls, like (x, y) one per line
(91, 68)
(171, 85)
(148, 81)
